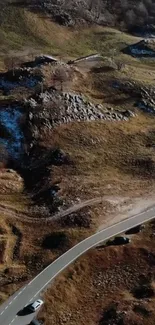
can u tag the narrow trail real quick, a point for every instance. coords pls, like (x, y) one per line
(12, 213)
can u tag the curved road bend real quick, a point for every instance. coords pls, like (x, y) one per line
(31, 291)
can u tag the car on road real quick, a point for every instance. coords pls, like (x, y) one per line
(118, 241)
(31, 308)
(135, 230)
(36, 305)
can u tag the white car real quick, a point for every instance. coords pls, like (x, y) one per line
(36, 305)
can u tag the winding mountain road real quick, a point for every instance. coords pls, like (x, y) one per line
(27, 294)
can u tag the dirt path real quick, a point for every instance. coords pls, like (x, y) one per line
(128, 209)
(10, 212)
(124, 208)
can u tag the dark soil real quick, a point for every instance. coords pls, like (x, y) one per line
(56, 240)
(143, 291)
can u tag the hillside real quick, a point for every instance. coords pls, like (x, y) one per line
(33, 34)
(77, 153)
(112, 285)
(126, 14)
(35, 30)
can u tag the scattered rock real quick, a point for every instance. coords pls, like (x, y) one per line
(53, 108)
(80, 219)
(145, 31)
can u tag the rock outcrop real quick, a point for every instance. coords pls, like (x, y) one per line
(144, 95)
(147, 102)
(53, 108)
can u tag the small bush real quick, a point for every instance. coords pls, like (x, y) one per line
(111, 316)
(80, 219)
(143, 291)
(56, 240)
(142, 311)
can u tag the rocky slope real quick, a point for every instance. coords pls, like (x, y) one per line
(129, 13)
(53, 108)
(110, 12)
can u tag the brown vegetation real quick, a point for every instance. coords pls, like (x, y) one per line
(100, 287)
(79, 161)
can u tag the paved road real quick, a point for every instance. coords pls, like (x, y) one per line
(32, 290)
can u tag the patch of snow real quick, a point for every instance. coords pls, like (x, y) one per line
(8, 85)
(10, 118)
(137, 51)
(25, 82)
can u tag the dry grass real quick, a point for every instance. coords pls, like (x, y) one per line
(101, 279)
(106, 157)
(33, 33)
(24, 254)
